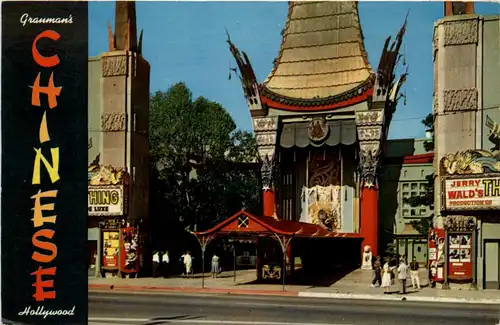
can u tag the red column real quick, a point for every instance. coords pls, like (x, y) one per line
(369, 218)
(268, 203)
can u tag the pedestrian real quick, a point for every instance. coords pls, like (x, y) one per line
(386, 278)
(164, 264)
(415, 279)
(377, 268)
(188, 264)
(156, 263)
(215, 266)
(402, 274)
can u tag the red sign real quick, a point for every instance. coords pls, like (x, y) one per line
(460, 256)
(129, 251)
(436, 253)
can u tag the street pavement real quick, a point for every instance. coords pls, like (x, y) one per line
(354, 285)
(133, 308)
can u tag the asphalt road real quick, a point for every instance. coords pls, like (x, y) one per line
(199, 309)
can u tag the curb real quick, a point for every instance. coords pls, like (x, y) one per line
(398, 298)
(116, 288)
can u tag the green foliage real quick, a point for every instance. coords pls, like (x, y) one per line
(422, 225)
(196, 152)
(428, 122)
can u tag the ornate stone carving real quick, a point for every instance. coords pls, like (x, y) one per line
(266, 139)
(113, 121)
(435, 40)
(247, 76)
(268, 168)
(317, 130)
(115, 223)
(265, 124)
(460, 223)
(470, 162)
(107, 175)
(369, 133)
(460, 100)
(369, 118)
(369, 160)
(114, 66)
(435, 103)
(461, 32)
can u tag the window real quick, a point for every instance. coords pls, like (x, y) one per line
(412, 189)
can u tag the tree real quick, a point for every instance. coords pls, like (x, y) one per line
(427, 198)
(196, 153)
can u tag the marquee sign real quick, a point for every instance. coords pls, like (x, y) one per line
(472, 193)
(105, 200)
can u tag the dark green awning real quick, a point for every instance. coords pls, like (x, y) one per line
(340, 132)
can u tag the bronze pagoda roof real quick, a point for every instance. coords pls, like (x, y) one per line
(322, 59)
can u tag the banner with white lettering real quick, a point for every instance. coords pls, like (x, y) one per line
(472, 193)
(44, 162)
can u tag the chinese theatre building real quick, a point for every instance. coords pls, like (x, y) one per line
(118, 150)
(321, 120)
(464, 246)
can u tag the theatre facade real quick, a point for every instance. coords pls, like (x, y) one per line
(464, 246)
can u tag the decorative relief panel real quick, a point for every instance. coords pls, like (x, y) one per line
(265, 124)
(268, 167)
(373, 117)
(369, 133)
(114, 66)
(435, 103)
(456, 100)
(113, 121)
(460, 223)
(461, 32)
(435, 40)
(266, 139)
(368, 162)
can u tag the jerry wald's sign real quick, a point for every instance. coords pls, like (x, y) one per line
(105, 201)
(481, 193)
(44, 162)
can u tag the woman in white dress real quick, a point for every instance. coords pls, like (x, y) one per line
(386, 278)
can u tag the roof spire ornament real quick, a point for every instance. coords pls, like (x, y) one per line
(125, 37)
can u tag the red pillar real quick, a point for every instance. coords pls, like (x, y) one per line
(369, 218)
(268, 203)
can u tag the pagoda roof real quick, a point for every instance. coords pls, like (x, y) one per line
(322, 60)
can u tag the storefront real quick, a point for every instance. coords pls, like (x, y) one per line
(117, 243)
(467, 239)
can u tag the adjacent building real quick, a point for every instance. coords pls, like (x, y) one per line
(407, 166)
(465, 242)
(118, 149)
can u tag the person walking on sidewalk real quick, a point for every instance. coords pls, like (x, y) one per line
(386, 278)
(188, 264)
(377, 268)
(415, 279)
(156, 264)
(402, 275)
(164, 264)
(215, 266)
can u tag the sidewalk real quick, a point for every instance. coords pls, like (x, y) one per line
(355, 285)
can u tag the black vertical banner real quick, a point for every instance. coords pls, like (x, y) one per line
(44, 162)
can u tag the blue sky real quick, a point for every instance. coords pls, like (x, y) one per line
(186, 41)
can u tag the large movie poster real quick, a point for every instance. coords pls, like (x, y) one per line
(111, 247)
(436, 253)
(460, 256)
(129, 250)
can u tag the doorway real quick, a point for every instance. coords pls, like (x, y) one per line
(492, 264)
